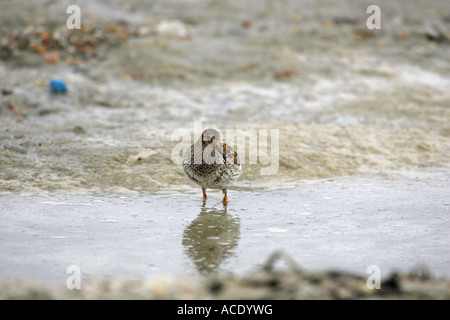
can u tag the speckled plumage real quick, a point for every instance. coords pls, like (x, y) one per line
(211, 164)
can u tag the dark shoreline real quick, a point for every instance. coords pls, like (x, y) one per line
(267, 283)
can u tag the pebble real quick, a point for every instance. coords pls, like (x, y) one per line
(47, 111)
(172, 29)
(15, 148)
(6, 92)
(78, 130)
(51, 57)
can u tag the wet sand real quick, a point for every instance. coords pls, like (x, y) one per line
(345, 102)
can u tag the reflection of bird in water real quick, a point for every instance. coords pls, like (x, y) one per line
(212, 164)
(210, 238)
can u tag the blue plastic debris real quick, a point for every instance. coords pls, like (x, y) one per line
(57, 86)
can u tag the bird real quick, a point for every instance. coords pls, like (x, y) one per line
(212, 164)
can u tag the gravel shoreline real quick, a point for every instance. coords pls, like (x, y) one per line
(267, 283)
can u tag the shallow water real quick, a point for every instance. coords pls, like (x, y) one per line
(344, 224)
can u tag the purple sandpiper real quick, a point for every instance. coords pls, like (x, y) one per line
(212, 164)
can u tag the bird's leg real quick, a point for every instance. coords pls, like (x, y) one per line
(204, 193)
(225, 199)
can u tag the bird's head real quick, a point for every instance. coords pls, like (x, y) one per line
(210, 136)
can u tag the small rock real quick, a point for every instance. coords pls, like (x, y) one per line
(78, 130)
(284, 74)
(216, 286)
(143, 155)
(437, 33)
(51, 57)
(104, 103)
(15, 148)
(420, 272)
(47, 111)
(392, 283)
(246, 24)
(144, 31)
(172, 29)
(6, 92)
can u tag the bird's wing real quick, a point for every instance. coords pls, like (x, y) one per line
(230, 156)
(188, 157)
